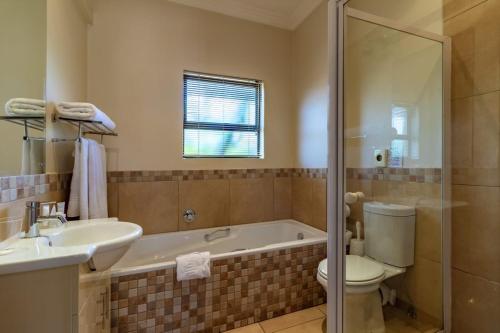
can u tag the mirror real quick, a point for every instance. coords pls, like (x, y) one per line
(22, 84)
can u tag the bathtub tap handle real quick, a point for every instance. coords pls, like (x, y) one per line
(189, 215)
(213, 235)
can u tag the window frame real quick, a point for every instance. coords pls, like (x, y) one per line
(258, 128)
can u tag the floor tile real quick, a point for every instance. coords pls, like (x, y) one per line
(314, 326)
(291, 319)
(322, 308)
(254, 328)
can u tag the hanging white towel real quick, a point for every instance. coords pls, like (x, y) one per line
(85, 111)
(25, 107)
(97, 190)
(33, 157)
(88, 195)
(193, 266)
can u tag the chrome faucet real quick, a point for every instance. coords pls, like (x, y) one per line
(33, 207)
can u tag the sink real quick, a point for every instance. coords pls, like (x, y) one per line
(111, 239)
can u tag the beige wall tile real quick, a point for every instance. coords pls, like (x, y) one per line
(461, 122)
(486, 138)
(283, 198)
(476, 304)
(319, 204)
(480, 177)
(252, 200)
(210, 200)
(302, 199)
(476, 230)
(455, 7)
(112, 199)
(291, 319)
(152, 205)
(424, 285)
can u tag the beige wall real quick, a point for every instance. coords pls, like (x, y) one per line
(138, 51)
(474, 27)
(22, 70)
(66, 73)
(310, 76)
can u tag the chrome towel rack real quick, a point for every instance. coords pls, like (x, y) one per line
(84, 126)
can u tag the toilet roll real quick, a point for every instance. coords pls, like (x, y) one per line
(357, 247)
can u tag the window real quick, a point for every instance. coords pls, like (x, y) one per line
(222, 116)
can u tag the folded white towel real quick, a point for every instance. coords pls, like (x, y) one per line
(84, 111)
(25, 107)
(193, 266)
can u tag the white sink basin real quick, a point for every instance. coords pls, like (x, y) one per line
(111, 239)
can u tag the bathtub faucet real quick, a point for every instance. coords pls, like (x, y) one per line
(214, 234)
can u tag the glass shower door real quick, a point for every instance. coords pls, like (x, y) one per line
(392, 90)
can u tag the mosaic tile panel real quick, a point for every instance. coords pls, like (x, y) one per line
(413, 175)
(19, 187)
(242, 290)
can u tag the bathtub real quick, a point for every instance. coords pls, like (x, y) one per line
(159, 251)
(258, 271)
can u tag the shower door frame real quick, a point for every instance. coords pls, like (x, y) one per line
(337, 10)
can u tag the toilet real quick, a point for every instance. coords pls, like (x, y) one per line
(389, 249)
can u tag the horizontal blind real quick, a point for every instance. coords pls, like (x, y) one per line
(222, 116)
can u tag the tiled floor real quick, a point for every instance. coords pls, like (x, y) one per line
(310, 321)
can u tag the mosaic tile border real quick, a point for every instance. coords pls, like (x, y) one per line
(241, 291)
(19, 187)
(172, 175)
(412, 175)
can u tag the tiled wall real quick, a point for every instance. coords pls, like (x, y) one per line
(241, 291)
(474, 27)
(420, 188)
(157, 199)
(16, 191)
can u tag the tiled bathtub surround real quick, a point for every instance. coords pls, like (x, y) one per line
(20, 187)
(242, 290)
(157, 199)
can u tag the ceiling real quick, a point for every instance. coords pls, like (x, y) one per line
(285, 14)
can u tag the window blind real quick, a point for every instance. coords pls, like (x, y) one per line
(222, 116)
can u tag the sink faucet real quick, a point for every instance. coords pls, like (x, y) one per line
(33, 208)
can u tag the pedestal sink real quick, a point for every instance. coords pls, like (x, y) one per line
(111, 239)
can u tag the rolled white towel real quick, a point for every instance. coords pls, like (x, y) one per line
(193, 266)
(84, 111)
(25, 107)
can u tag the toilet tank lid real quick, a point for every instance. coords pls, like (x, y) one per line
(388, 209)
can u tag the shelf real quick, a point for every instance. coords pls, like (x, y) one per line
(34, 122)
(87, 126)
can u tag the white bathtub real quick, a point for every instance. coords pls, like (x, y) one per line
(155, 252)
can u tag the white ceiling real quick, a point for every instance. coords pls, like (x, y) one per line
(285, 14)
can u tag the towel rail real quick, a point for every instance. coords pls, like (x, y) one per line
(85, 127)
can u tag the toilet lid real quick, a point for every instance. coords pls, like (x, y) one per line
(360, 269)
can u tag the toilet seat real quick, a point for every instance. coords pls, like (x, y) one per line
(362, 275)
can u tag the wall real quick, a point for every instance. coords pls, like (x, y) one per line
(22, 67)
(474, 27)
(66, 74)
(66, 80)
(310, 76)
(137, 54)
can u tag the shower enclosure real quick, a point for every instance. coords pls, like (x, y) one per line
(389, 118)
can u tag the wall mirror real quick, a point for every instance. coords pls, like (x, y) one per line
(22, 86)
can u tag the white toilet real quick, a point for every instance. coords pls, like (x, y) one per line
(389, 247)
